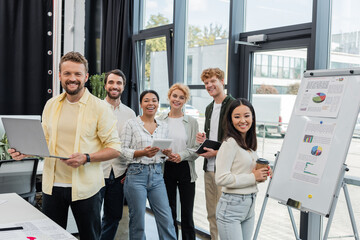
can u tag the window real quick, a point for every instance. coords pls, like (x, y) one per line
(157, 13)
(345, 53)
(294, 63)
(274, 66)
(345, 34)
(207, 37)
(153, 54)
(207, 45)
(262, 14)
(189, 69)
(264, 65)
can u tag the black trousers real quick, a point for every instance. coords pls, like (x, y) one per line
(177, 175)
(86, 212)
(113, 195)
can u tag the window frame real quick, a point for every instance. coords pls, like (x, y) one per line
(289, 37)
(138, 41)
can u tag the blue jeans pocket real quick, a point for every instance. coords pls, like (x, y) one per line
(134, 169)
(233, 207)
(158, 168)
(235, 200)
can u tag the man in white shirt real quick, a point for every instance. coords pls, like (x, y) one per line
(213, 78)
(114, 170)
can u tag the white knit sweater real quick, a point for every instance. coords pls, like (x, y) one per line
(234, 167)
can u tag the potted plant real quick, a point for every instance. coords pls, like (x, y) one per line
(4, 146)
(97, 85)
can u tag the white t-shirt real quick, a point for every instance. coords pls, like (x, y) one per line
(122, 113)
(177, 133)
(213, 135)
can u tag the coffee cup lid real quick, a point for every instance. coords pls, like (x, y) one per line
(262, 161)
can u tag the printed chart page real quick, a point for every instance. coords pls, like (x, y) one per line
(321, 96)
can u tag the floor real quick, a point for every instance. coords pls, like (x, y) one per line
(123, 229)
(150, 227)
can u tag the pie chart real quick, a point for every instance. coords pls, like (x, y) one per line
(319, 98)
(316, 150)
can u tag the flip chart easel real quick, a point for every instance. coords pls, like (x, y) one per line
(311, 166)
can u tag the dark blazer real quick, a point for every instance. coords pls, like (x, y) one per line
(208, 112)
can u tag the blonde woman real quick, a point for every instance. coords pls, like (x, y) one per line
(179, 172)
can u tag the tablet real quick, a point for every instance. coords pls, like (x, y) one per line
(162, 144)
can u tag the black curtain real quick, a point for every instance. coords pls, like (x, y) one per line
(92, 34)
(25, 55)
(116, 43)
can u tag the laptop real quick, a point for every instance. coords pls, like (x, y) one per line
(27, 136)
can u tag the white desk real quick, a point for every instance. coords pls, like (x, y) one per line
(15, 211)
(71, 223)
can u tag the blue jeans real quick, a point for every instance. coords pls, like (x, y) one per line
(113, 195)
(146, 181)
(86, 212)
(235, 216)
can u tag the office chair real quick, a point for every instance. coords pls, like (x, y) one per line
(19, 177)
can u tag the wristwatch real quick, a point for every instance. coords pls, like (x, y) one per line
(87, 158)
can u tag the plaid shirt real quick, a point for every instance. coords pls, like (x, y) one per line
(134, 137)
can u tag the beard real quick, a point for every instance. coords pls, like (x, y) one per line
(113, 96)
(73, 92)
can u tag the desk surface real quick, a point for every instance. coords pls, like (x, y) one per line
(15, 211)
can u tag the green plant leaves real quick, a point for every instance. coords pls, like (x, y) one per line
(4, 146)
(97, 85)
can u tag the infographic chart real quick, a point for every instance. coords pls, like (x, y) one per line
(313, 151)
(319, 98)
(316, 150)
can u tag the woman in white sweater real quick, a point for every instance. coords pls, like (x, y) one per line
(235, 172)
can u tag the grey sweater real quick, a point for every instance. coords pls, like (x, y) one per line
(191, 128)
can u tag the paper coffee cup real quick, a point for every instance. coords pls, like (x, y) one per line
(262, 163)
